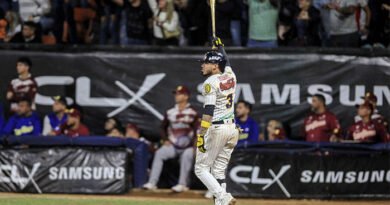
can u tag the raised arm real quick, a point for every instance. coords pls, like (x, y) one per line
(153, 6)
(218, 43)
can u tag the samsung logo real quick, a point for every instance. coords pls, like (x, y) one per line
(351, 177)
(86, 173)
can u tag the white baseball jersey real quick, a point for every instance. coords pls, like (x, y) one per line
(219, 90)
(220, 140)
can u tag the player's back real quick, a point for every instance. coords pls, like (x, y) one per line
(223, 86)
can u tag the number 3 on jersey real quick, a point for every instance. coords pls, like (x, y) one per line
(230, 101)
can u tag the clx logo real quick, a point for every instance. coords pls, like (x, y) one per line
(12, 174)
(237, 172)
(84, 97)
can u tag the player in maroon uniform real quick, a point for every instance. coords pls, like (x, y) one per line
(321, 125)
(73, 126)
(23, 87)
(376, 116)
(367, 129)
(178, 135)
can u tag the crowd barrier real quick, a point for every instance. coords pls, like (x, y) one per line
(104, 154)
(292, 169)
(281, 169)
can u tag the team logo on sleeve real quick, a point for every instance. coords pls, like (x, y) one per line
(207, 88)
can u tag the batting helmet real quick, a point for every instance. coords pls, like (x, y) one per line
(215, 57)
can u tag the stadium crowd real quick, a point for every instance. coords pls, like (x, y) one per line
(251, 23)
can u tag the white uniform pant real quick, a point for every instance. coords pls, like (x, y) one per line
(210, 166)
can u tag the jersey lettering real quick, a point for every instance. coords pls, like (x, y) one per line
(228, 85)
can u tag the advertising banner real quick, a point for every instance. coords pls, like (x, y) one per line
(309, 175)
(63, 170)
(137, 87)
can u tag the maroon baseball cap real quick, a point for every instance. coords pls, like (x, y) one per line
(132, 126)
(181, 89)
(366, 104)
(73, 113)
(371, 97)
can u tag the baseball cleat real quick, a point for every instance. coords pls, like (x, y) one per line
(227, 199)
(180, 188)
(209, 195)
(149, 186)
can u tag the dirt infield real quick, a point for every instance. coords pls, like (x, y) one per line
(153, 198)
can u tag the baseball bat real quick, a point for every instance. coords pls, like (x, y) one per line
(212, 7)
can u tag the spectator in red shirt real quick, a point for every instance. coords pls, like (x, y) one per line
(23, 87)
(367, 129)
(73, 126)
(321, 125)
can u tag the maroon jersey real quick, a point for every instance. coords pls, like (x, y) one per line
(372, 131)
(22, 88)
(376, 117)
(179, 126)
(82, 130)
(320, 127)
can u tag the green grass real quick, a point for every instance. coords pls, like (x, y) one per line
(114, 201)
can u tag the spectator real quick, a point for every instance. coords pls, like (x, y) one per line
(107, 12)
(28, 34)
(198, 17)
(263, 19)
(178, 133)
(73, 126)
(321, 125)
(322, 6)
(236, 25)
(33, 10)
(24, 122)
(224, 13)
(367, 130)
(22, 87)
(113, 128)
(132, 131)
(303, 30)
(184, 17)
(250, 129)
(137, 20)
(53, 121)
(363, 19)
(3, 26)
(343, 27)
(275, 131)
(379, 27)
(166, 27)
(375, 116)
(14, 25)
(6, 5)
(80, 16)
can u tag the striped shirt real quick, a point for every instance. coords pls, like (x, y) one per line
(219, 90)
(34, 8)
(180, 123)
(22, 88)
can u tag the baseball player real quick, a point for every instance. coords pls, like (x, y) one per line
(321, 125)
(218, 134)
(367, 129)
(376, 116)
